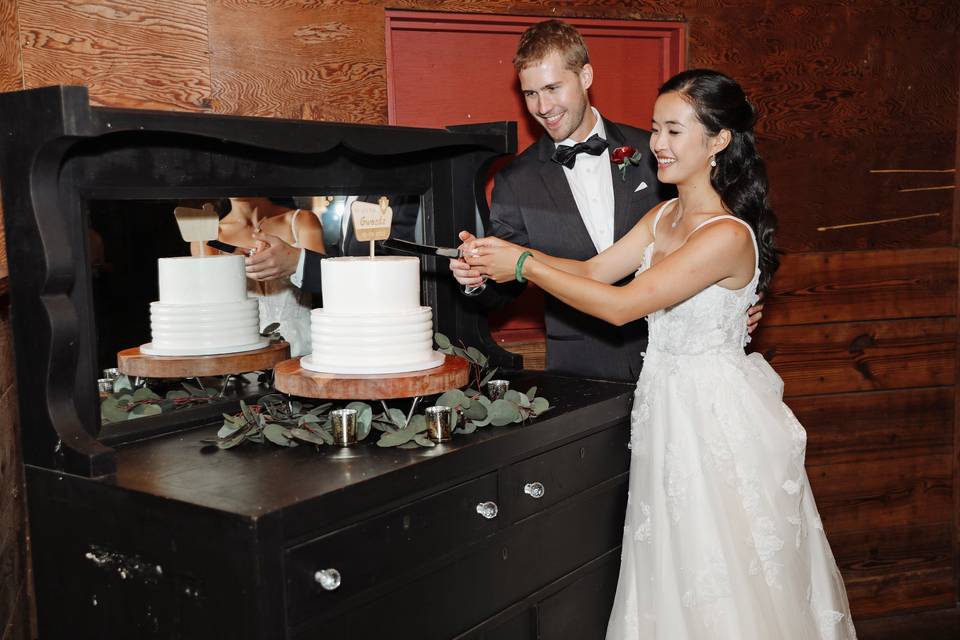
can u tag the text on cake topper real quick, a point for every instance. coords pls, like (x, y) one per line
(371, 221)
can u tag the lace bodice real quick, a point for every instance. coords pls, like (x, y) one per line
(713, 320)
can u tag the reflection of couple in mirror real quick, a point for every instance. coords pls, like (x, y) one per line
(253, 225)
(277, 259)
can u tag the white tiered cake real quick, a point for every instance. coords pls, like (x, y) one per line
(203, 308)
(371, 320)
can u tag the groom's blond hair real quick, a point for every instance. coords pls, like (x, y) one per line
(549, 36)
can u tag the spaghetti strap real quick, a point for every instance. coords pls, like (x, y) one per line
(656, 220)
(753, 237)
(293, 227)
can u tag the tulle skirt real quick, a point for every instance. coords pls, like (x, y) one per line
(722, 538)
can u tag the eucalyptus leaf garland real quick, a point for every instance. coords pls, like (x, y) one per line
(126, 402)
(289, 422)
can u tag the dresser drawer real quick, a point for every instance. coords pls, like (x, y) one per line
(456, 598)
(384, 547)
(536, 483)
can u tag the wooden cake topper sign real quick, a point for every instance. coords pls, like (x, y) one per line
(198, 225)
(371, 221)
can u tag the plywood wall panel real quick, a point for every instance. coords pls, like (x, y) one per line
(307, 62)
(11, 70)
(131, 53)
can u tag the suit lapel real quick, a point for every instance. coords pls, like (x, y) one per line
(623, 189)
(569, 221)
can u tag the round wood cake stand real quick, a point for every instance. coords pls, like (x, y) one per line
(290, 377)
(134, 363)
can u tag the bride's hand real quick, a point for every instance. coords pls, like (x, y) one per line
(493, 257)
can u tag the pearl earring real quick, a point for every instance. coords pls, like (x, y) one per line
(713, 161)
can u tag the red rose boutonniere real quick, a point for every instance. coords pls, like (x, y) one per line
(624, 157)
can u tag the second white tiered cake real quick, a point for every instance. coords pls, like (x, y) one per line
(371, 320)
(203, 308)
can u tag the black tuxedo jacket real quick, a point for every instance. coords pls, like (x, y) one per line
(533, 205)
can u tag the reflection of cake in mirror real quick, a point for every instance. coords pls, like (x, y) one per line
(371, 320)
(203, 308)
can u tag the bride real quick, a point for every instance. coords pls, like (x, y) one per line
(722, 537)
(280, 301)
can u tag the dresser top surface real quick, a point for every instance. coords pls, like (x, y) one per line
(254, 481)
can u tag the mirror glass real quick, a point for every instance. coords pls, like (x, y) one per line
(127, 238)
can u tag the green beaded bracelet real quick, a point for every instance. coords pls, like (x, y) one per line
(518, 271)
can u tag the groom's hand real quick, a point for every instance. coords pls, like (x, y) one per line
(754, 314)
(463, 272)
(273, 258)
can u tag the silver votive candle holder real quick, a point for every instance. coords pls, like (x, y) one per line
(439, 428)
(112, 373)
(344, 423)
(496, 389)
(105, 386)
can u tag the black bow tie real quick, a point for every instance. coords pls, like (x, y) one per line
(567, 155)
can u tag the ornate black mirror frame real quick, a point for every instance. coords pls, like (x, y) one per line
(58, 152)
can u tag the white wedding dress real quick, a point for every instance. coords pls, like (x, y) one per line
(722, 539)
(280, 301)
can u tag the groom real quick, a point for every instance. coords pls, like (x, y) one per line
(564, 196)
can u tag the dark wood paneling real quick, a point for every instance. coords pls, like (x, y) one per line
(13, 555)
(858, 426)
(131, 53)
(899, 591)
(880, 551)
(878, 494)
(929, 625)
(833, 83)
(7, 372)
(861, 356)
(892, 569)
(863, 285)
(315, 61)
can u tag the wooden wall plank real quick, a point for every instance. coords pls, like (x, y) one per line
(897, 592)
(861, 356)
(874, 425)
(131, 53)
(312, 62)
(895, 568)
(13, 526)
(879, 551)
(11, 70)
(876, 494)
(863, 285)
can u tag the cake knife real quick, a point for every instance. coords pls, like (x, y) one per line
(420, 249)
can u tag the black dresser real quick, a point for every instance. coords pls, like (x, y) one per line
(260, 542)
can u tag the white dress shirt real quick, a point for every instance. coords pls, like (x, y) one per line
(591, 182)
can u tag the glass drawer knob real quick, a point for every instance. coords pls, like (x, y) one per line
(329, 579)
(488, 510)
(534, 489)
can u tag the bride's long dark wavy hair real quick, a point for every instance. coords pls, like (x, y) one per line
(740, 176)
